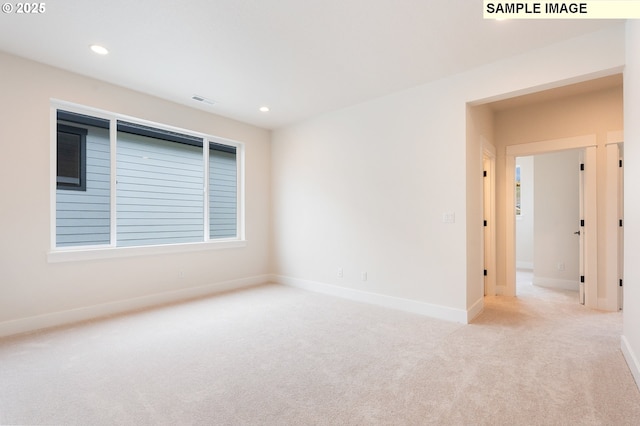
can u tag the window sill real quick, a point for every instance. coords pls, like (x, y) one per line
(74, 254)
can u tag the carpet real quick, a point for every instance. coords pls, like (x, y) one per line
(273, 355)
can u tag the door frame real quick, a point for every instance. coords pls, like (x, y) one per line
(589, 144)
(614, 213)
(489, 213)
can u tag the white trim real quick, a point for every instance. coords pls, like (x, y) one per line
(240, 170)
(206, 157)
(53, 173)
(612, 229)
(54, 319)
(113, 182)
(521, 264)
(590, 230)
(475, 310)
(73, 254)
(632, 360)
(553, 145)
(407, 305)
(615, 136)
(510, 225)
(556, 283)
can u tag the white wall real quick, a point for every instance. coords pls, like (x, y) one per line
(631, 333)
(365, 188)
(34, 292)
(524, 222)
(557, 208)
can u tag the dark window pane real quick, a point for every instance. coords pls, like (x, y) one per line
(68, 158)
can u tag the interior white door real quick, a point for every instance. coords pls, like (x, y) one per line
(621, 228)
(486, 214)
(589, 230)
(580, 231)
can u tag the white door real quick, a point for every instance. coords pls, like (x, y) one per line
(489, 234)
(580, 231)
(588, 230)
(620, 229)
(486, 203)
(614, 230)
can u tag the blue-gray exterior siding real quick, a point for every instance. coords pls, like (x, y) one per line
(223, 195)
(160, 197)
(83, 217)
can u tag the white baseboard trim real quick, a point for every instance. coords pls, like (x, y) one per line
(475, 310)
(407, 305)
(25, 325)
(632, 360)
(556, 283)
(521, 264)
(608, 304)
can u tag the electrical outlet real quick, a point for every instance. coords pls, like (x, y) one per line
(181, 274)
(340, 273)
(449, 217)
(364, 276)
(560, 266)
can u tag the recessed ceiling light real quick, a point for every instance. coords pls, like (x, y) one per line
(264, 109)
(100, 50)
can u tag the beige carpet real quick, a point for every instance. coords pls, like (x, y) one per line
(277, 355)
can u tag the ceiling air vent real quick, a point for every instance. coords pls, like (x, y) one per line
(203, 99)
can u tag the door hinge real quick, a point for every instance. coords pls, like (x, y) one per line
(582, 167)
(620, 223)
(485, 272)
(484, 173)
(485, 223)
(619, 163)
(620, 283)
(581, 222)
(581, 278)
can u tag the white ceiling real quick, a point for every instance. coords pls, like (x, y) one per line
(299, 57)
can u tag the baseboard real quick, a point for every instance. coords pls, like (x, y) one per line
(632, 360)
(29, 324)
(556, 283)
(407, 305)
(608, 304)
(475, 310)
(520, 264)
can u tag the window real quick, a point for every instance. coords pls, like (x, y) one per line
(83, 215)
(165, 186)
(71, 158)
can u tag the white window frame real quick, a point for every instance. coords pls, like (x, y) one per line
(77, 253)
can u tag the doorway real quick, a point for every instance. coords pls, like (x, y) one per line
(588, 231)
(547, 210)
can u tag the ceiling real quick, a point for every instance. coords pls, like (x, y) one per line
(299, 57)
